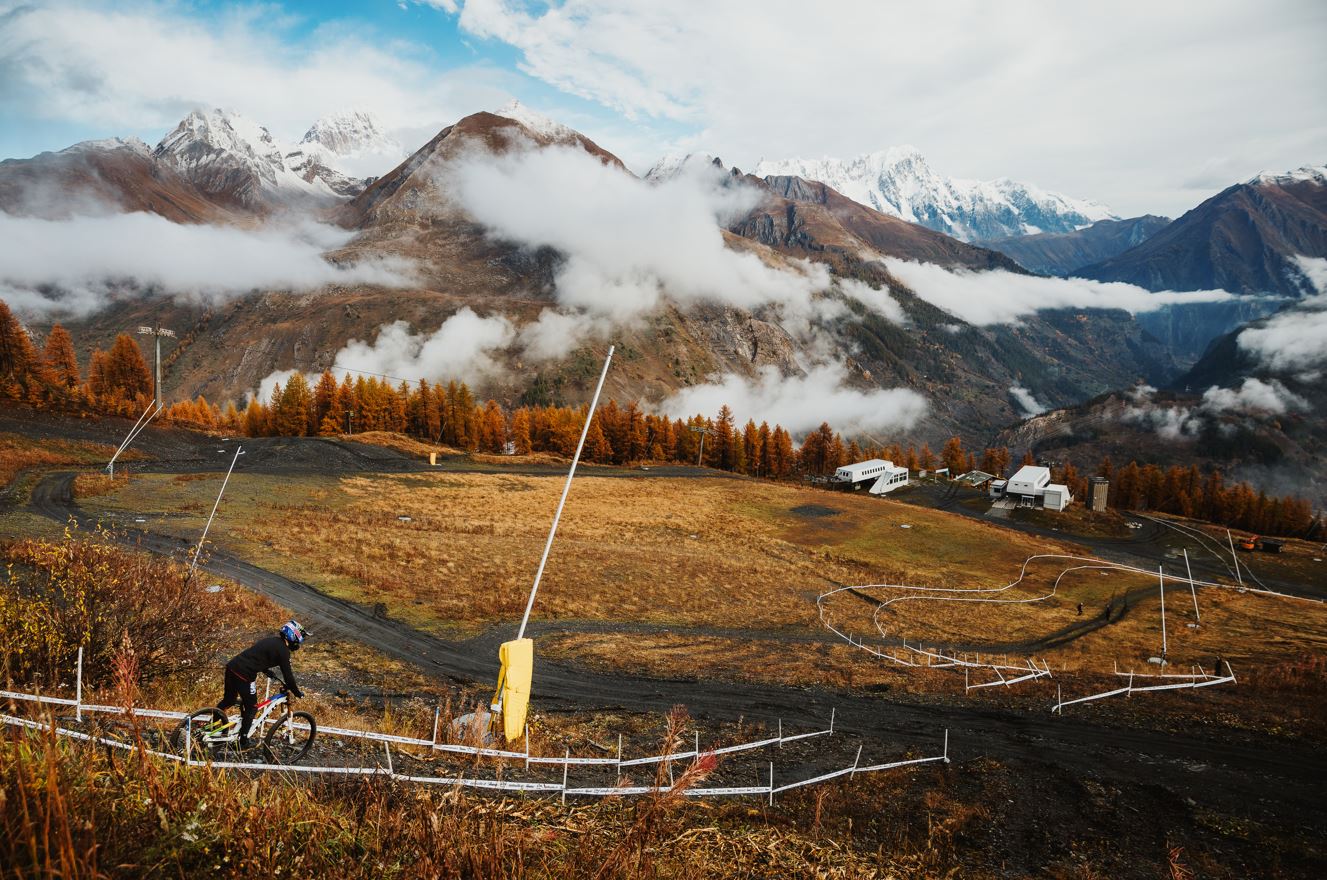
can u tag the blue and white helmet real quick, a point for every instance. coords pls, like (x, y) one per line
(293, 633)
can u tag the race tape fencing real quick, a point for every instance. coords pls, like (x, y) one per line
(450, 748)
(562, 789)
(1185, 682)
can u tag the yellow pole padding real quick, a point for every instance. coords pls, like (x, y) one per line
(517, 659)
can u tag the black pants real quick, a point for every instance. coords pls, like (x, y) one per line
(245, 693)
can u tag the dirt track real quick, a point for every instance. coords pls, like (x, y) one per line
(1238, 773)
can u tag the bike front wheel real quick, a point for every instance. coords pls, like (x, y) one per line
(290, 739)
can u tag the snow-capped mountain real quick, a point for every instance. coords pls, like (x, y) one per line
(675, 163)
(132, 144)
(234, 159)
(346, 150)
(536, 122)
(899, 181)
(1308, 173)
(349, 133)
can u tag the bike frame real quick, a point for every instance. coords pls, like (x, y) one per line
(230, 731)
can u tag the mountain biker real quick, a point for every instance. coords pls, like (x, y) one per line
(242, 673)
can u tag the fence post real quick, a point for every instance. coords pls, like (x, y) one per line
(856, 761)
(946, 745)
(527, 747)
(565, 764)
(437, 719)
(832, 711)
(780, 731)
(78, 687)
(387, 747)
(188, 741)
(771, 783)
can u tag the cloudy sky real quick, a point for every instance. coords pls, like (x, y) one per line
(1146, 106)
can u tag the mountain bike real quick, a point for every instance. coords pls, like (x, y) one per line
(287, 742)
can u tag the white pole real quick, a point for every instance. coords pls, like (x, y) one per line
(1192, 589)
(239, 450)
(1234, 557)
(771, 783)
(1162, 575)
(437, 717)
(78, 687)
(133, 432)
(566, 762)
(589, 417)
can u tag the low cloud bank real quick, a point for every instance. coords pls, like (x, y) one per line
(801, 403)
(466, 348)
(1254, 398)
(999, 297)
(629, 246)
(74, 267)
(1026, 402)
(1295, 341)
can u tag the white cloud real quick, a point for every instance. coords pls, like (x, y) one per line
(881, 302)
(1026, 402)
(801, 403)
(629, 246)
(954, 75)
(463, 348)
(1254, 397)
(147, 65)
(1296, 339)
(76, 266)
(1000, 297)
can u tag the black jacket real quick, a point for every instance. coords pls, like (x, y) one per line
(262, 656)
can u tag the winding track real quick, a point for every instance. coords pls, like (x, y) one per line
(1238, 773)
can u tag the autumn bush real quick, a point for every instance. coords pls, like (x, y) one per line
(84, 591)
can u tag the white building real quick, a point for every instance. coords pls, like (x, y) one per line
(1034, 483)
(1030, 480)
(883, 476)
(893, 477)
(1056, 496)
(861, 471)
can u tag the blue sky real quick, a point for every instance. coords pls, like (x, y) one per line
(1145, 105)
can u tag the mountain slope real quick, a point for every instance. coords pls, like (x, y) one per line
(1244, 239)
(411, 213)
(899, 182)
(100, 176)
(1060, 253)
(808, 215)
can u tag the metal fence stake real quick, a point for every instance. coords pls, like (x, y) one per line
(771, 783)
(566, 764)
(78, 687)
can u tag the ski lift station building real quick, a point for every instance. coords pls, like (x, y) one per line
(882, 476)
(1033, 484)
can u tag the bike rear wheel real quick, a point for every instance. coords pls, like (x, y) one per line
(290, 739)
(198, 725)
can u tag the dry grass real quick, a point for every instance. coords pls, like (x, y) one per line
(18, 453)
(99, 483)
(722, 554)
(696, 552)
(401, 443)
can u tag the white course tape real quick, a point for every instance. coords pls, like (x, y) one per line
(489, 784)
